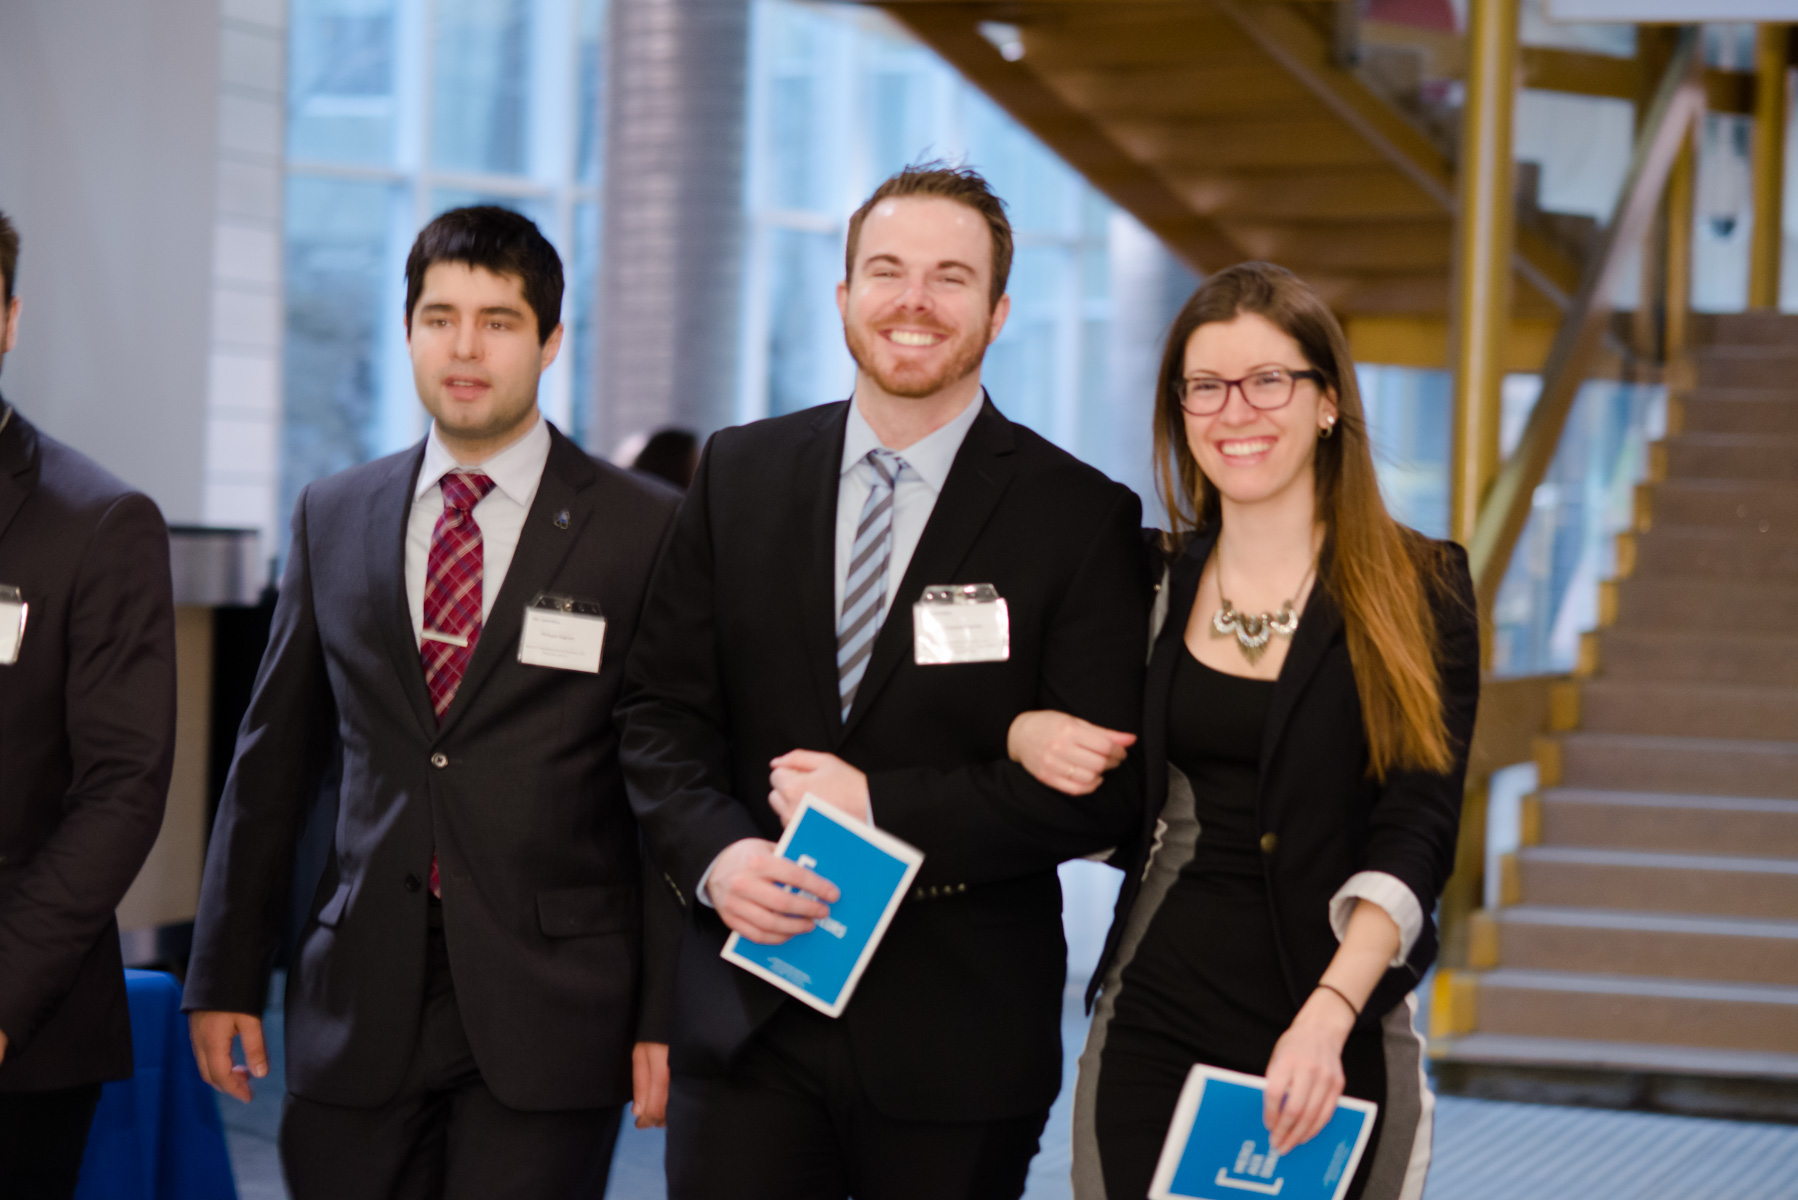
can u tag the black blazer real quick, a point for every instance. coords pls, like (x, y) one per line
(1322, 818)
(958, 1015)
(517, 792)
(87, 740)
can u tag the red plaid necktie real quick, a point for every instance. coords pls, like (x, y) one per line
(452, 596)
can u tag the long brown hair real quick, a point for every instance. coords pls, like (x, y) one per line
(1378, 572)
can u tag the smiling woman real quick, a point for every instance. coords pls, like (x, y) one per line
(1310, 698)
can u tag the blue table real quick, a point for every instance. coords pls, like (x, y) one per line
(157, 1135)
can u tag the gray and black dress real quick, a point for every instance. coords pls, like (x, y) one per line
(1199, 966)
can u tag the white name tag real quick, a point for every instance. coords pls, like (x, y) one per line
(563, 633)
(960, 623)
(13, 610)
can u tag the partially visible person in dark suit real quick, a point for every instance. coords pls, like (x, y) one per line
(670, 454)
(87, 741)
(472, 999)
(777, 658)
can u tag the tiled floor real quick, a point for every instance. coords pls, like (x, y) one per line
(1484, 1150)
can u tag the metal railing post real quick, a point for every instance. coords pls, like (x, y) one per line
(1772, 57)
(1486, 214)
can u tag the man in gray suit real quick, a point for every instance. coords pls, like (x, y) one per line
(87, 740)
(475, 994)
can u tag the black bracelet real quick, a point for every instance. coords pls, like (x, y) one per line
(1330, 987)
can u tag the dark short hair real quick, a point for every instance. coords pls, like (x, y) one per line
(497, 240)
(9, 258)
(964, 185)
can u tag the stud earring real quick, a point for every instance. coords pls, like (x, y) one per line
(1329, 427)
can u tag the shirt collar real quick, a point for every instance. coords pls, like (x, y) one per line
(516, 470)
(930, 457)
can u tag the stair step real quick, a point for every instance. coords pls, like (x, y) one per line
(1676, 656)
(1741, 826)
(1723, 503)
(1661, 945)
(1671, 1012)
(1730, 456)
(1684, 709)
(1717, 553)
(1647, 881)
(1696, 604)
(1699, 766)
(1755, 327)
(1740, 410)
(1768, 365)
(1603, 1054)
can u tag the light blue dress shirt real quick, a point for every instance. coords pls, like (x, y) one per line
(914, 493)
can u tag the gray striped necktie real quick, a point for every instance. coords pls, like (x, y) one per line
(865, 584)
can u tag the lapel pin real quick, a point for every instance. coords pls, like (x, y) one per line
(562, 519)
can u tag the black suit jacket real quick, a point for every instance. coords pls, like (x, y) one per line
(1328, 819)
(517, 792)
(958, 1015)
(87, 740)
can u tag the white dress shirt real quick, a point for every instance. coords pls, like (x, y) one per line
(516, 471)
(914, 492)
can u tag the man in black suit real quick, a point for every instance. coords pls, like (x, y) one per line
(463, 1001)
(87, 740)
(777, 658)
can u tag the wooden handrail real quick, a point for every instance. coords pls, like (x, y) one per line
(1678, 101)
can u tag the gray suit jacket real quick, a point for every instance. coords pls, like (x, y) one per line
(517, 791)
(87, 740)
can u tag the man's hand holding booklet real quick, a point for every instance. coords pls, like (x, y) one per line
(870, 869)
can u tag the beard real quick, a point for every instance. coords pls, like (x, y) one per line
(916, 380)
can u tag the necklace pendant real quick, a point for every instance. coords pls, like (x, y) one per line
(1253, 631)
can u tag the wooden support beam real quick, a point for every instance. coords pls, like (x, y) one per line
(1766, 245)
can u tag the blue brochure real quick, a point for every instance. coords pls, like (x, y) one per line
(1217, 1146)
(871, 869)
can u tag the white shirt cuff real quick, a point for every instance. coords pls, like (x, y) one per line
(1390, 893)
(704, 896)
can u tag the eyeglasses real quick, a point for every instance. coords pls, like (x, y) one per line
(1265, 390)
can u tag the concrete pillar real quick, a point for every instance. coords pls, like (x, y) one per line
(671, 250)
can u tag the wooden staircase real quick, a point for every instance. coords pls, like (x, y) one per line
(1645, 953)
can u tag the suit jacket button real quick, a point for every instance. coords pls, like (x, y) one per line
(1269, 843)
(412, 884)
(440, 760)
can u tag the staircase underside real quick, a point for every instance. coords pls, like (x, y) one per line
(1228, 128)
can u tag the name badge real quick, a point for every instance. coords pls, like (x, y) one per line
(12, 624)
(960, 623)
(562, 632)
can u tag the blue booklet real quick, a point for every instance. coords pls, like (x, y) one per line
(1217, 1147)
(871, 870)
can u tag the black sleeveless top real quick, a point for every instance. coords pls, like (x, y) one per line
(1207, 973)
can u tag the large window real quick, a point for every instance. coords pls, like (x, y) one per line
(397, 110)
(838, 102)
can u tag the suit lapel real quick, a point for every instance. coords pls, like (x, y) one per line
(543, 545)
(390, 510)
(1183, 578)
(970, 494)
(818, 479)
(1319, 626)
(18, 465)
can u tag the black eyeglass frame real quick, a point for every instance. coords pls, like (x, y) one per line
(1292, 376)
